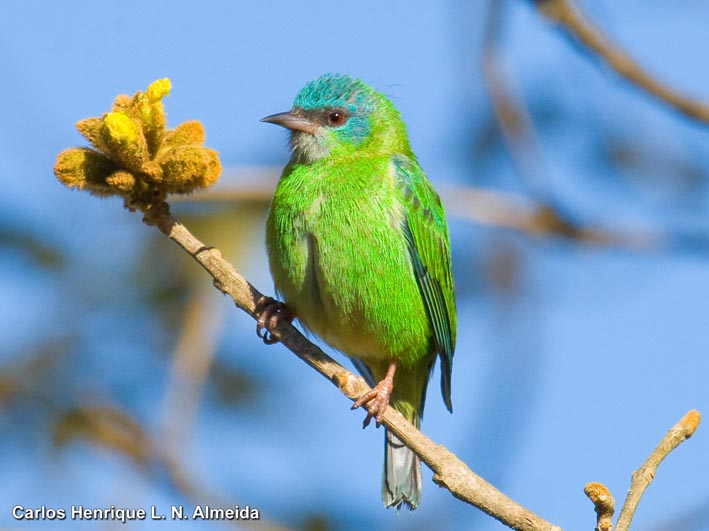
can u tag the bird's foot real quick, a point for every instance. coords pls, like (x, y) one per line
(377, 398)
(271, 312)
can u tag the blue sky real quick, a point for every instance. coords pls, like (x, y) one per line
(572, 376)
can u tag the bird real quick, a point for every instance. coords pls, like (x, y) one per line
(359, 252)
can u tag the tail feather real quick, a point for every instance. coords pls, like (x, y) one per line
(401, 481)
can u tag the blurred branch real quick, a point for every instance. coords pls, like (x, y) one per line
(495, 208)
(254, 184)
(514, 212)
(536, 218)
(106, 426)
(449, 471)
(518, 132)
(644, 475)
(572, 20)
(483, 206)
(512, 117)
(191, 362)
(109, 427)
(22, 240)
(188, 487)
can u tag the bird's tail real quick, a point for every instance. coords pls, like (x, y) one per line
(401, 481)
(401, 478)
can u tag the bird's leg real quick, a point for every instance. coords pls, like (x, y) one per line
(271, 312)
(377, 398)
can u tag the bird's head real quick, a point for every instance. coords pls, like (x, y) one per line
(336, 115)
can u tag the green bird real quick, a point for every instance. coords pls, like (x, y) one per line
(359, 251)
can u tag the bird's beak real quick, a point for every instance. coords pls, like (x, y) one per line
(292, 120)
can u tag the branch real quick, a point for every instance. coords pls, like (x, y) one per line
(566, 15)
(449, 471)
(644, 475)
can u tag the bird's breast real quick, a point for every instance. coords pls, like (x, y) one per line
(339, 258)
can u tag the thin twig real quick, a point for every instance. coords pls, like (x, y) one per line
(644, 475)
(449, 471)
(569, 17)
(604, 504)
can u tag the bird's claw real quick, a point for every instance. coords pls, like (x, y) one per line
(377, 400)
(270, 313)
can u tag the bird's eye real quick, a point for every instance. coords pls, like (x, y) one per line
(335, 118)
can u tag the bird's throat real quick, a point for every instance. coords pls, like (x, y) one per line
(308, 148)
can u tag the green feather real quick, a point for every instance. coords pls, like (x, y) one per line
(429, 247)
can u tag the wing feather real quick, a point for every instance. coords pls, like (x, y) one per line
(427, 239)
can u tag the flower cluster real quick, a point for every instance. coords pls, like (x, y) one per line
(135, 156)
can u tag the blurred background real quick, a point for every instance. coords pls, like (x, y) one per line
(577, 207)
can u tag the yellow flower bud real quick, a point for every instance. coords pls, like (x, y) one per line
(91, 129)
(151, 171)
(188, 168)
(121, 180)
(84, 168)
(149, 110)
(158, 89)
(122, 103)
(186, 134)
(121, 128)
(125, 140)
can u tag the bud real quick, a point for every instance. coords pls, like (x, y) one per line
(187, 168)
(84, 168)
(186, 134)
(125, 140)
(92, 130)
(121, 180)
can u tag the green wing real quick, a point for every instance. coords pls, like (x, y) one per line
(426, 234)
